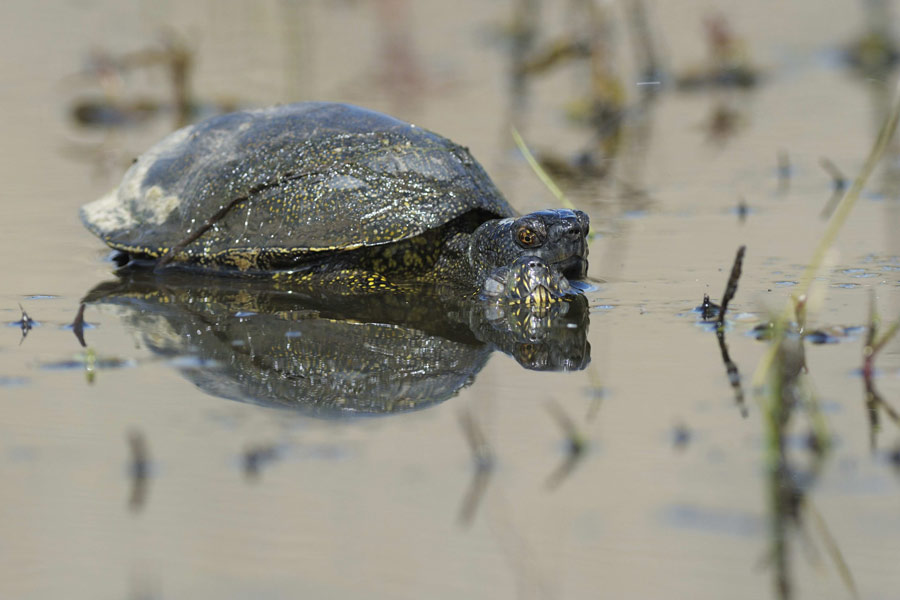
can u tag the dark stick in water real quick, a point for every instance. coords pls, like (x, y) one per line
(734, 376)
(730, 289)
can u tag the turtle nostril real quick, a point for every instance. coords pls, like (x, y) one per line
(572, 232)
(584, 221)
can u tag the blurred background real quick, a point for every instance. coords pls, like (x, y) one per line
(685, 130)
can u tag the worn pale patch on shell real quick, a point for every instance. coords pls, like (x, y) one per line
(108, 213)
(128, 206)
(156, 206)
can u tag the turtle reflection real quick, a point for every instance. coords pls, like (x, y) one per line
(332, 354)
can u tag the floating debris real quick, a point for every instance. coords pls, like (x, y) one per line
(26, 324)
(709, 310)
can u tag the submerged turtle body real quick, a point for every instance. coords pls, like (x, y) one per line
(330, 192)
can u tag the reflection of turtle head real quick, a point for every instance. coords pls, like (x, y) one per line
(545, 337)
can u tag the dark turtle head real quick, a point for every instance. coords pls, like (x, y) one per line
(557, 237)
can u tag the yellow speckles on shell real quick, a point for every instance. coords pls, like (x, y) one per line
(343, 281)
(242, 261)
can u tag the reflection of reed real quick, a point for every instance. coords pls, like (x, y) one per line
(576, 444)
(25, 323)
(734, 377)
(875, 341)
(789, 483)
(108, 71)
(838, 183)
(483, 458)
(139, 470)
(78, 326)
(710, 311)
(255, 457)
(782, 373)
(587, 43)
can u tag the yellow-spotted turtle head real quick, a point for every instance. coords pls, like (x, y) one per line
(538, 250)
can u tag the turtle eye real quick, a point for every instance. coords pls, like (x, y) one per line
(527, 238)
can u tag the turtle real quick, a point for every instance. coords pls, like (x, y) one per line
(336, 196)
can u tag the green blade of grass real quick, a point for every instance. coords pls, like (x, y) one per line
(544, 176)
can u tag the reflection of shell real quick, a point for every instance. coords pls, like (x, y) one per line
(281, 353)
(331, 355)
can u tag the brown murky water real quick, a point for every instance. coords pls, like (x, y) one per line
(671, 496)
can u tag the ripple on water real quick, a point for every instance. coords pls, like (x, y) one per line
(602, 307)
(14, 381)
(713, 520)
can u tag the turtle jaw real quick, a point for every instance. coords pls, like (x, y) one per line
(528, 281)
(574, 267)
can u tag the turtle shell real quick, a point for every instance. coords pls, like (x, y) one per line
(285, 181)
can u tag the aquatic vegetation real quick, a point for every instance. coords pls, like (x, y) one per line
(780, 388)
(728, 63)
(875, 341)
